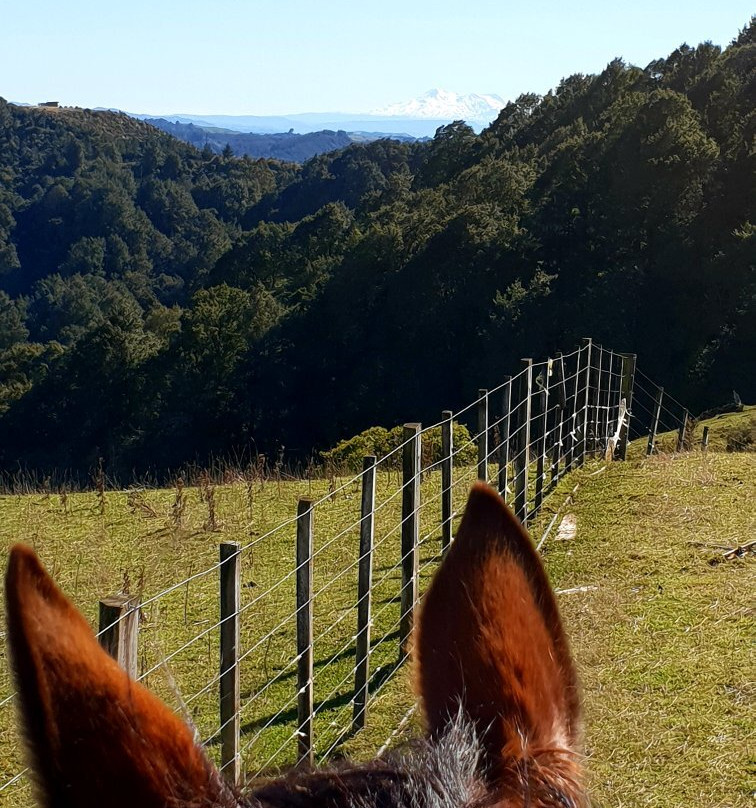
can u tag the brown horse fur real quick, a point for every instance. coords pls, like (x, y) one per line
(494, 677)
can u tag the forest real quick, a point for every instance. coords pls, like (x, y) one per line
(160, 304)
(286, 146)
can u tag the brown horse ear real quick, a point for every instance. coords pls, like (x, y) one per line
(95, 737)
(490, 641)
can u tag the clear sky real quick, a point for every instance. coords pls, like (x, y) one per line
(284, 56)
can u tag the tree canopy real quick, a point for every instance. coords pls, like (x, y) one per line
(160, 303)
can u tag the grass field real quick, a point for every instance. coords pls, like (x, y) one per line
(144, 542)
(664, 638)
(662, 629)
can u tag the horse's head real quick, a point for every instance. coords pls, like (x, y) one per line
(493, 672)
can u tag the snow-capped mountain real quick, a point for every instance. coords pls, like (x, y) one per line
(417, 118)
(439, 104)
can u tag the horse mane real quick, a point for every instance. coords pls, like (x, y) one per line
(430, 774)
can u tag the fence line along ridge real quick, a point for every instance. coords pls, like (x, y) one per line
(529, 431)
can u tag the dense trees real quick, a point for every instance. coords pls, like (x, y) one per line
(285, 146)
(158, 303)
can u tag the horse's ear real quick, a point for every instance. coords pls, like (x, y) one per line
(490, 641)
(95, 737)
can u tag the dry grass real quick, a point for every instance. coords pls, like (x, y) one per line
(729, 432)
(142, 542)
(662, 642)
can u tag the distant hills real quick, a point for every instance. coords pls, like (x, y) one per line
(297, 138)
(307, 122)
(288, 146)
(301, 136)
(418, 118)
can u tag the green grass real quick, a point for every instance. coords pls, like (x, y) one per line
(732, 431)
(137, 545)
(662, 642)
(729, 432)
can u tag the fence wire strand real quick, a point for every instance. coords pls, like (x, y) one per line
(569, 418)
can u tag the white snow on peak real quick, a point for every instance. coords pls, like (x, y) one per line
(444, 104)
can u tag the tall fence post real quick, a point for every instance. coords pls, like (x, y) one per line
(585, 399)
(230, 699)
(598, 397)
(606, 419)
(681, 432)
(558, 419)
(571, 416)
(503, 454)
(304, 632)
(410, 533)
(521, 460)
(705, 439)
(447, 465)
(118, 630)
(364, 592)
(655, 422)
(540, 423)
(483, 435)
(611, 407)
(628, 384)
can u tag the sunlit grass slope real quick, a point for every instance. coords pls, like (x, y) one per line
(662, 627)
(664, 636)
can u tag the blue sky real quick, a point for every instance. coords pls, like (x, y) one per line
(285, 56)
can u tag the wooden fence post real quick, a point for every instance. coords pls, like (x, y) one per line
(628, 384)
(364, 593)
(483, 435)
(705, 439)
(582, 393)
(410, 533)
(540, 424)
(612, 410)
(447, 465)
(521, 459)
(230, 699)
(304, 632)
(598, 397)
(118, 630)
(571, 415)
(557, 450)
(681, 432)
(655, 422)
(607, 398)
(503, 454)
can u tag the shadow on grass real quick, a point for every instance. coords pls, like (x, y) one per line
(322, 663)
(383, 674)
(388, 568)
(289, 716)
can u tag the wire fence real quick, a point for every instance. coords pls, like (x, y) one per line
(278, 652)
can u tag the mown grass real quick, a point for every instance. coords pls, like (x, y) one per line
(662, 641)
(664, 638)
(729, 432)
(144, 542)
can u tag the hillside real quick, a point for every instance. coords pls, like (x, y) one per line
(287, 146)
(159, 305)
(663, 630)
(88, 194)
(661, 626)
(658, 614)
